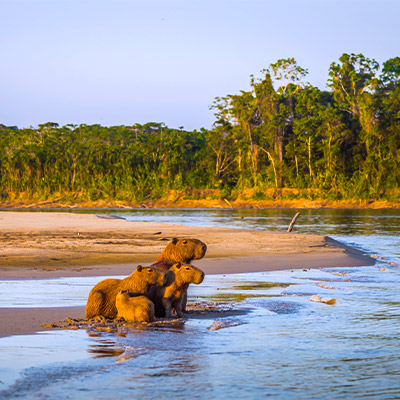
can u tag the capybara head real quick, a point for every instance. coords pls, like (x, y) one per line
(152, 276)
(186, 273)
(183, 251)
(123, 294)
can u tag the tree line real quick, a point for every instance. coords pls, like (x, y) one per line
(283, 132)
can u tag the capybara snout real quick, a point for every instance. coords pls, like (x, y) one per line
(202, 277)
(203, 251)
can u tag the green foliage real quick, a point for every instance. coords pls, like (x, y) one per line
(94, 162)
(282, 133)
(259, 195)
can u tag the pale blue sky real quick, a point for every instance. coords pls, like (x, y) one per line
(121, 62)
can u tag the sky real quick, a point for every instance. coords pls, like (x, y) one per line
(115, 62)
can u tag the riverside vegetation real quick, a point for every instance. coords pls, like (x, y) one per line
(281, 134)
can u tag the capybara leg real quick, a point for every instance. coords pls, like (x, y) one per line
(167, 307)
(184, 301)
(178, 308)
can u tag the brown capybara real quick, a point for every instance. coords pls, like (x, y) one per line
(171, 295)
(102, 297)
(182, 251)
(133, 308)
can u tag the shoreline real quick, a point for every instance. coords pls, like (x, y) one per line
(206, 203)
(39, 245)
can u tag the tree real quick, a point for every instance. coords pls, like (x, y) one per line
(350, 79)
(291, 75)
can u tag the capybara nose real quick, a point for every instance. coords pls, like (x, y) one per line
(202, 275)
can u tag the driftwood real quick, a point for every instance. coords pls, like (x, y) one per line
(293, 222)
(227, 202)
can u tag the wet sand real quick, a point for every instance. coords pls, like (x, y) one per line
(36, 245)
(22, 321)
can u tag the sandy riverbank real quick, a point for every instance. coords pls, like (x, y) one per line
(48, 245)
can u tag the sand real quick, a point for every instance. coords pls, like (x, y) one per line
(36, 245)
(20, 321)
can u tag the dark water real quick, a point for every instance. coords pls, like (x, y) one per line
(272, 343)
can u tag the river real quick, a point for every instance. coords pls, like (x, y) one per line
(273, 343)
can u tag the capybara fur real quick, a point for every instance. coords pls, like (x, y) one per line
(181, 251)
(133, 308)
(102, 297)
(171, 295)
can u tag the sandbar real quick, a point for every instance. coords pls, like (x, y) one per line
(37, 245)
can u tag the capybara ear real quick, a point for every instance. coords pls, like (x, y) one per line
(174, 240)
(178, 265)
(139, 268)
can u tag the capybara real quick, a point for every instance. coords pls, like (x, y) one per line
(182, 251)
(171, 295)
(102, 297)
(133, 308)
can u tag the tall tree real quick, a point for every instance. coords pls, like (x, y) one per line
(351, 78)
(290, 76)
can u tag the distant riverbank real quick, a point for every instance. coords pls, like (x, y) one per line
(202, 203)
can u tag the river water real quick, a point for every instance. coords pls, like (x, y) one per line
(272, 341)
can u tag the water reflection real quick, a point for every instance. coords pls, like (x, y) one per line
(105, 348)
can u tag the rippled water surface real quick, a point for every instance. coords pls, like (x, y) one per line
(272, 341)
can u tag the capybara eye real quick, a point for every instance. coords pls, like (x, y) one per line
(150, 270)
(187, 268)
(184, 242)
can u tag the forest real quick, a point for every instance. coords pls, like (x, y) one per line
(340, 143)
